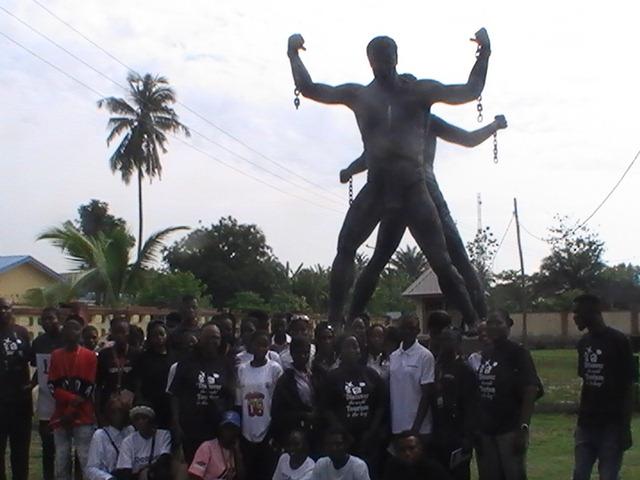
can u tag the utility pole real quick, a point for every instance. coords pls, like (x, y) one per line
(479, 207)
(523, 294)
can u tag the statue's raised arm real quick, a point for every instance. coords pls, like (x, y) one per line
(341, 94)
(431, 91)
(465, 138)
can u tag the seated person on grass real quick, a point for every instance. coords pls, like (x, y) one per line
(145, 447)
(220, 459)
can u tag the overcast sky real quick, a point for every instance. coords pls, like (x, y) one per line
(565, 74)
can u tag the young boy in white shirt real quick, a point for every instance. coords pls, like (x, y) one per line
(256, 384)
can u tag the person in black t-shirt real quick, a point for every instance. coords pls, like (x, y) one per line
(151, 371)
(354, 397)
(201, 390)
(15, 393)
(454, 409)
(42, 347)
(509, 387)
(181, 338)
(114, 375)
(606, 366)
(409, 462)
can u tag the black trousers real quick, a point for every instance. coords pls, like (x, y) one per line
(48, 450)
(15, 428)
(259, 459)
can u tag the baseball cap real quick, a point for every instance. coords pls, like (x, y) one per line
(231, 418)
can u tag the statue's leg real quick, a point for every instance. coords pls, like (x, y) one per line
(424, 224)
(390, 234)
(362, 217)
(457, 250)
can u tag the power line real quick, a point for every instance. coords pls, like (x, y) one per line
(100, 94)
(191, 110)
(610, 192)
(504, 235)
(532, 235)
(44, 60)
(123, 87)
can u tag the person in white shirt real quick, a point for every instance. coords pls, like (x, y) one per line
(295, 463)
(246, 357)
(339, 465)
(412, 374)
(143, 448)
(300, 326)
(106, 442)
(256, 383)
(279, 336)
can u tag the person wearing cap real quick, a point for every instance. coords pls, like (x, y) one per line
(220, 459)
(107, 441)
(143, 448)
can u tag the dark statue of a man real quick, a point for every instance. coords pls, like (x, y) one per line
(391, 113)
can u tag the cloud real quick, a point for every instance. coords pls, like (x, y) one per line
(561, 76)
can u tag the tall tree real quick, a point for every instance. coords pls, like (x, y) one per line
(143, 120)
(94, 217)
(229, 257)
(575, 262)
(482, 249)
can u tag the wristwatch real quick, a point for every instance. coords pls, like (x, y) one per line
(524, 427)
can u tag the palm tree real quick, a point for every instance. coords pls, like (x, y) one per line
(143, 121)
(409, 260)
(103, 260)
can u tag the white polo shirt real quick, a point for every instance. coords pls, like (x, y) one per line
(409, 370)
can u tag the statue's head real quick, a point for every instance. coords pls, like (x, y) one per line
(383, 57)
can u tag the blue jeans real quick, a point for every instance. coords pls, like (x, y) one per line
(602, 443)
(65, 439)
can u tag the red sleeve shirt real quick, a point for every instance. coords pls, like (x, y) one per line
(72, 376)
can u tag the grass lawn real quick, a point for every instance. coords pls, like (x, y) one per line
(558, 370)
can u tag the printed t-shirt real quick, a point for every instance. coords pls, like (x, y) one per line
(15, 354)
(254, 395)
(42, 347)
(72, 375)
(504, 373)
(606, 366)
(205, 390)
(354, 397)
(137, 452)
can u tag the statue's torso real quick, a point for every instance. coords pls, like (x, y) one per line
(392, 125)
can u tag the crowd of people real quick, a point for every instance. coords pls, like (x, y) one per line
(281, 398)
